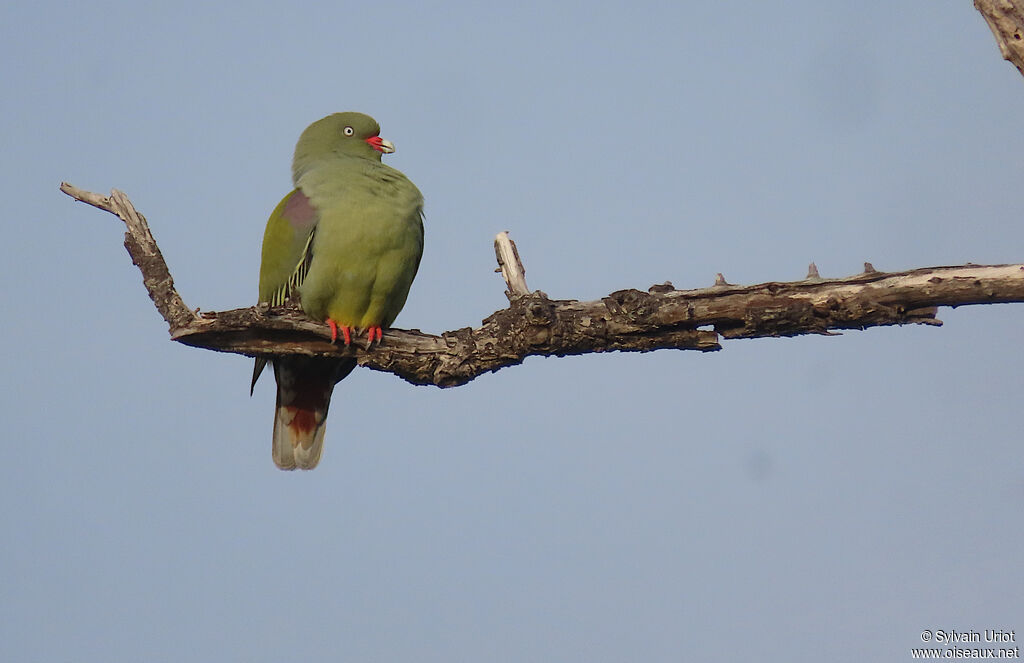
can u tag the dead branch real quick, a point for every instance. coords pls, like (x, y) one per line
(1006, 20)
(628, 320)
(144, 252)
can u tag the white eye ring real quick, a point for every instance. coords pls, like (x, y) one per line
(348, 131)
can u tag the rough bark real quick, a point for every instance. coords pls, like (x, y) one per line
(627, 320)
(1006, 20)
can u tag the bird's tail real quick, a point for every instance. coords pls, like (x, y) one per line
(304, 387)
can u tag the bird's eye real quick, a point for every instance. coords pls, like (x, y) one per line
(348, 131)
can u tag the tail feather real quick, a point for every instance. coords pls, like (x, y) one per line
(261, 363)
(304, 388)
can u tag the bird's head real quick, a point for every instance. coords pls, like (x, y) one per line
(350, 134)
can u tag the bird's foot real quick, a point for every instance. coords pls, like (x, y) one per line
(346, 331)
(375, 332)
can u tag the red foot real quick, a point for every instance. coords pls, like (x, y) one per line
(346, 331)
(375, 332)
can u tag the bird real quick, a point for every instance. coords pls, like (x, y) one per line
(346, 242)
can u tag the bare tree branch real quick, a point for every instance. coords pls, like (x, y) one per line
(510, 266)
(1006, 20)
(144, 252)
(627, 320)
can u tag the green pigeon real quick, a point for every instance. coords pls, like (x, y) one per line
(347, 241)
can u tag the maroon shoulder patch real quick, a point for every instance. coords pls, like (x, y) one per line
(299, 211)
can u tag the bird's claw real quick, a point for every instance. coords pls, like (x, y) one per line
(346, 332)
(373, 333)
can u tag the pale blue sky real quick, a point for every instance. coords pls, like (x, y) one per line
(781, 500)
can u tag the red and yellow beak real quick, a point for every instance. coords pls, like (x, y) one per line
(381, 145)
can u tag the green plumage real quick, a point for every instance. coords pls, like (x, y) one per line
(371, 235)
(286, 253)
(348, 241)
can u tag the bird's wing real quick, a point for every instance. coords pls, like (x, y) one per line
(287, 247)
(287, 254)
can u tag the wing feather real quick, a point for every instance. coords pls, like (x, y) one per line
(287, 254)
(298, 275)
